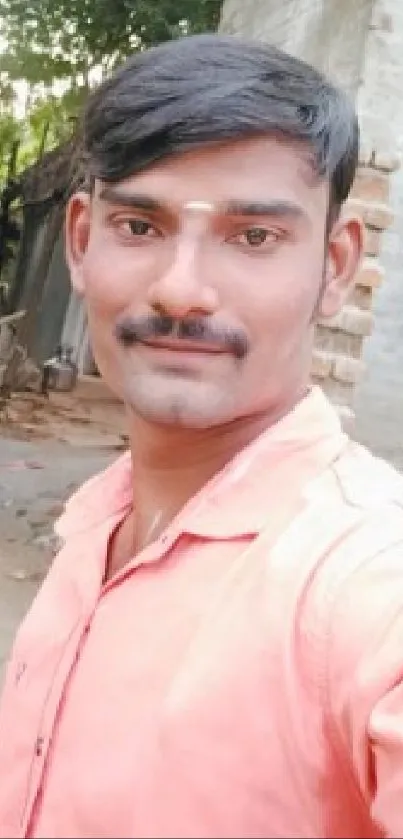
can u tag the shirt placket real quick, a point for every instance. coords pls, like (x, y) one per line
(41, 738)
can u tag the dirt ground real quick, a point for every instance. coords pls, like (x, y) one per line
(47, 449)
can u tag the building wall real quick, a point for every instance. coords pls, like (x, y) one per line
(302, 28)
(55, 299)
(360, 46)
(380, 100)
(379, 396)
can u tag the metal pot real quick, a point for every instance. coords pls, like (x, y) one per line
(60, 371)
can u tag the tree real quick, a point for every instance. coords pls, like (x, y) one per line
(9, 134)
(70, 39)
(59, 48)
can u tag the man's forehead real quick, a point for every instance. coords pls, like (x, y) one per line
(206, 178)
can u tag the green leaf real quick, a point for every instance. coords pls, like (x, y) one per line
(54, 43)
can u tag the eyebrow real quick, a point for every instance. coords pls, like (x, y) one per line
(140, 201)
(264, 208)
(129, 199)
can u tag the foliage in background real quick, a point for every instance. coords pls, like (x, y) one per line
(59, 48)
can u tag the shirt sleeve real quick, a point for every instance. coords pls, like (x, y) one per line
(364, 685)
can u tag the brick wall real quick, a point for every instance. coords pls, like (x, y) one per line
(337, 364)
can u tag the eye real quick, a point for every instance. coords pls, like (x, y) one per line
(138, 228)
(256, 237)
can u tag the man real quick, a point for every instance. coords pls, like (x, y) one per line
(217, 650)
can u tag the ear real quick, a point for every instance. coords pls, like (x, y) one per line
(344, 254)
(77, 233)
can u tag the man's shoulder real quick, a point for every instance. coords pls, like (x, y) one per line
(359, 498)
(358, 507)
(361, 589)
(352, 521)
(349, 545)
(366, 481)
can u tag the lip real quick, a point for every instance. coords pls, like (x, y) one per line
(184, 347)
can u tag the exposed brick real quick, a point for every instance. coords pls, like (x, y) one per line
(375, 215)
(371, 273)
(371, 185)
(346, 369)
(321, 363)
(361, 297)
(352, 320)
(356, 321)
(332, 341)
(373, 241)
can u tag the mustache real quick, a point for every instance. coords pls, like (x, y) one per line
(130, 331)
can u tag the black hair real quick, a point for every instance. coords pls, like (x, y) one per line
(201, 89)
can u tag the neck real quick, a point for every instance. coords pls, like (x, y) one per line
(172, 464)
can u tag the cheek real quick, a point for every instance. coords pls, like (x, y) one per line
(114, 278)
(278, 294)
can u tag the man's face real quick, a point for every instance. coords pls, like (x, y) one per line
(202, 276)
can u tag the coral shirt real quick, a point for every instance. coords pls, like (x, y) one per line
(241, 677)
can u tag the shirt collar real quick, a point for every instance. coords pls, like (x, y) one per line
(241, 498)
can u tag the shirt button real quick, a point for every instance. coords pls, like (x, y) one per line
(39, 743)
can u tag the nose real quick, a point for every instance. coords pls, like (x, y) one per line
(181, 290)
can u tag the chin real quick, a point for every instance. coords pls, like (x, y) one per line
(197, 407)
(175, 415)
